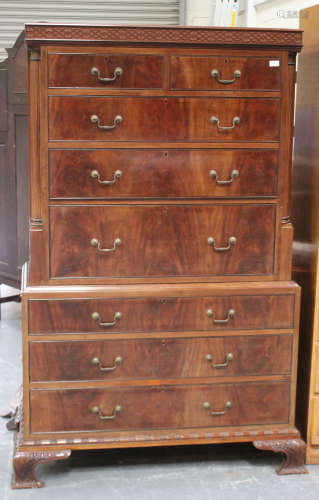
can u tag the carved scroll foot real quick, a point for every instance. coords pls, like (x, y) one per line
(25, 462)
(294, 451)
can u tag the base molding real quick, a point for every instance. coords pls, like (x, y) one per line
(165, 437)
(27, 458)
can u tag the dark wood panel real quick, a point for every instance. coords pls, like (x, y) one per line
(13, 164)
(159, 407)
(22, 183)
(19, 74)
(161, 240)
(253, 311)
(155, 119)
(194, 72)
(162, 174)
(305, 217)
(74, 70)
(160, 358)
(3, 97)
(4, 260)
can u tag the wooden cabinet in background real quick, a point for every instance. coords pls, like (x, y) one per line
(305, 216)
(14, 218)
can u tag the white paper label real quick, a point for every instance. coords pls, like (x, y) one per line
(274, 64)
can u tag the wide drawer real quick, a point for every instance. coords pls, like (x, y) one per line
(122, 71)
(160, 358)
(160, 407)
(127, 173)
(224, 73)
(155, 119)
(166, 240)
(160, 314)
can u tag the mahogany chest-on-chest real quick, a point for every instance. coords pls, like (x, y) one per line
(157, 303)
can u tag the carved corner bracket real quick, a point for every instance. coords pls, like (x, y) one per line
(25, 463)
(294, 451)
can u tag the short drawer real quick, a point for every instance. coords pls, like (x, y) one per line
(107, 71)
(123, 408)
(224, 73)
(161, 240)
(127, 173)
(160, 358)
(155, 118)
(160, 314)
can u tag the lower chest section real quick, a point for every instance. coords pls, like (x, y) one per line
(171, 359)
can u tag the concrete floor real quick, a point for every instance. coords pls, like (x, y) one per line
(219, 472)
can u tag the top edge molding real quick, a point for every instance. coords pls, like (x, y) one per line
(46, 33)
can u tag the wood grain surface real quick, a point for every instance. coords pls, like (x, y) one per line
(158, 407)
(151, 314)
(160, 358)
(162, 173)
(194, 73)
(161, 240)
(155, 118)
(74, 70)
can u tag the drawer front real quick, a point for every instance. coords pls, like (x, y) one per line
(162, 174)
(155, 119)
(159, 407)
(123, 71)
(154, 314)
(225, 73)
(316, 368)
(169, 240)
(160, 358)
(315, 421)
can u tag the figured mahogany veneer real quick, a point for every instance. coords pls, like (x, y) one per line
(158, 407)
(194, 73)
(162, 174)
(161, 240)
(161, 314)
(155, 118)
(160, 358)
(74, 70)
(140, 345)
